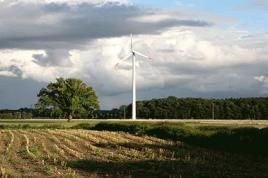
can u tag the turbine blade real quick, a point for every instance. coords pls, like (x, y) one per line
(140, 54)
(117, 64)
(131, 43)
(125, 58)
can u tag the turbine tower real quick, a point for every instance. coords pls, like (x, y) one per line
(133, 53)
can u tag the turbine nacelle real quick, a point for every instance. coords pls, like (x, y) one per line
(140, 54)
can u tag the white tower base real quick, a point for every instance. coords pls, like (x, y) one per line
(134, 87)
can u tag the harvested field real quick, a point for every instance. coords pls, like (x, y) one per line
(82, 153)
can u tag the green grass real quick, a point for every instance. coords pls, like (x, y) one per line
(87, 124)
(43, 124)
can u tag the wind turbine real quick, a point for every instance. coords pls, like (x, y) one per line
(132, 54)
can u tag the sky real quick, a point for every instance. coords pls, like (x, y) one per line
(199, 48)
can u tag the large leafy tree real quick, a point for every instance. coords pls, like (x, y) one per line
(69, 96)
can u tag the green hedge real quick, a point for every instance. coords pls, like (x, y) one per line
(240, 140)
(136, 129)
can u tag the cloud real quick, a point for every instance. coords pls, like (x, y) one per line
(54, 57)
(260, 78)
(69, 2)
(255, 5)
(185, 62)
(23, 63)
(29, 25)
(7, 74)
(182, 60)
(264, 82)
(169, 18)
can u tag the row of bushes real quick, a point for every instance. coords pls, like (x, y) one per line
(16, 115)
(240, 140)
(30, 126)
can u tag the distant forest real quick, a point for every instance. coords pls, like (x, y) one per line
(196, 108)
(166, 108)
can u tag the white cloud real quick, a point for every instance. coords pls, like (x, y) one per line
(70, 2)
(24, 61)
(260, 78)
(7, 74)
(179, 57)
(264, 81)
(155, 18)
(182, 58)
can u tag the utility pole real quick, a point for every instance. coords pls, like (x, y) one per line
(124, 112)
(213, 111)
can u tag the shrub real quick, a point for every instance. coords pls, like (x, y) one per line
(132, 129)
(166, 132)
(83, 126)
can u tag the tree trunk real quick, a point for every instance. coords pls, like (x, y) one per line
(70, 118)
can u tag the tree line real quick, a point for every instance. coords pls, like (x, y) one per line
(195, 108)
(164, 108)
(22, 113)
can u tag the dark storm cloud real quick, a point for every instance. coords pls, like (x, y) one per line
(50, 26)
